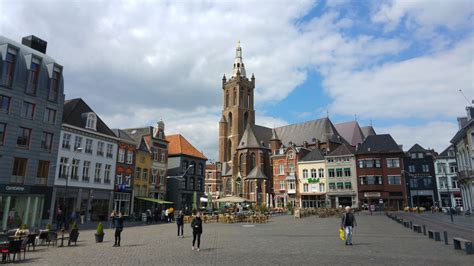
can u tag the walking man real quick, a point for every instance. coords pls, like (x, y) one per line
(196, 224)
(348, 222)
(118, 229)
(180, 223)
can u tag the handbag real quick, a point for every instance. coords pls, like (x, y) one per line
(342, 235)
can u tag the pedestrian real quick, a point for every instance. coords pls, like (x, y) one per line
(118, 229)
(347, 223)
(196, 224)
(180, 223)
(112, 219)
(83, 216)
(59, 217)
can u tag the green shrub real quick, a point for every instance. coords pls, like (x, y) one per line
(100, 229)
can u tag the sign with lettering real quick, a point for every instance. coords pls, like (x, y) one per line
(313, 180)
(372, 194)
(14, 189)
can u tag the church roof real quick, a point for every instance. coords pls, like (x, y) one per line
(179, 145)
(351, 132)
(320, 129)
(368, 131)
(256, 173)
(249, 140)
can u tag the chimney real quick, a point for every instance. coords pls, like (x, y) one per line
(35, 43)
(462, 121)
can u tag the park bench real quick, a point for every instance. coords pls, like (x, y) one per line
(434, 235)
(467, 244)
(417, 228)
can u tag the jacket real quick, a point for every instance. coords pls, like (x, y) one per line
(118, 222)
(349, 218)
(180, 219)
(196, 224)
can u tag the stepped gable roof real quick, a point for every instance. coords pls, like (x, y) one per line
(179, 145)
(417, 148)
(73, 114)
(383, 143)
(320, 129)
(137, 133)
(351, 132)
(342, 150)
(122, 135)
(256, 173)
(314, 155)
(249, 139)
(368, 131)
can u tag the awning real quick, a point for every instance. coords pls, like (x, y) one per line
(203, 199)
(159, 201)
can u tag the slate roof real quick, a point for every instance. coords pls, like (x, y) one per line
(73, 114)
(122, 135)
(314, 155)
(249, 140)
(383, 143)
(368, 131)
(256, 173)
(417, 148)
(445, 152)
(351, 132)
(179, 145)
(138, 135)
(462, 131)
(343, 149)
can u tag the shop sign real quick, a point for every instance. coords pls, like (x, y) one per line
(14, 189)
(372, 194)
(313, 180)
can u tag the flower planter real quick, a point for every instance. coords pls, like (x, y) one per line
(99, 238)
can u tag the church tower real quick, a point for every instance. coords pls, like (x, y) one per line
(238, 109)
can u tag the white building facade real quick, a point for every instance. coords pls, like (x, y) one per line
(449, 192)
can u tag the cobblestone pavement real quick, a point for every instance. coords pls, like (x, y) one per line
(461, 226)
(283, 241)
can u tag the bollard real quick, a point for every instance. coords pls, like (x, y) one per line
(445, 237)
(424, 230)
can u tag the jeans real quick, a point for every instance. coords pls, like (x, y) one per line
(180, 228)
(118, 236)
(198, 237)
(348, 230)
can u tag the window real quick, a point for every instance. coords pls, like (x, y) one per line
(291, 167)
(107, 173)
(121, 156)
(129, 157)
(425, 168)
(97, 172)
(43, 170)
(88, 146)
(411, 169)
(47, 141)
(420, 155)
(145, 174)
(441, 168)
(49, 116)
(331, 173)
(28, 110)
(321, 187)
(138, 172)
(453, 168)
(77, 143)
(200, 169)
(109, 153)
(163, 156)
(305, 188)
(100, 148)
(394, 180)
(193, 168)
(371, 180)
(330, 160)
(8, 68)
(4, 103)
(63, 167)
(427, 181)
(85, 171)
(191, 183)
(155, 155)
(66, 141)
(162, 179)
(340, 185)
(75, 169)
(332, 186)
(313, 173)
(200, 187)
(19, 169)
(282, 185)
(33, 76)
(369, 163)
(320, 172)
(413, 183)
(339, 172)
(184, 166)
(281, 169)
(413, 155)
(347, 172)
(54, 85)
(253, 161)
(24, 135)
(291, 155)
(291, 185)
(348, 185)
(3, 128)
(393, 163)
(305, 173)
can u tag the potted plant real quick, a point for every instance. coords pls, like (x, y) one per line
(99, 235)
(48, 227)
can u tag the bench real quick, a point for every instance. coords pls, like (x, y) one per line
(417, 228)
(467, 244)
(434, 234)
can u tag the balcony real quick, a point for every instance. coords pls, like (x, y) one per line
(41, 181)
(15, 179)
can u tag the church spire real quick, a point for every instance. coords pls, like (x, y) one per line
(238, 63)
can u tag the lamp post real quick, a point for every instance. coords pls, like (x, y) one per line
(76, 150)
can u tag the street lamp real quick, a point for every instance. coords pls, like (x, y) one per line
(449, 194)
(76, 150)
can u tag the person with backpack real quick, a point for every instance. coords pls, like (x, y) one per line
(347, 223)
(180, 223)
(196, 225)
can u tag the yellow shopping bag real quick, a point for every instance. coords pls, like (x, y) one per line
(342, 235)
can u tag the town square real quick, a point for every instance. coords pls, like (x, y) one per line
(236, 132)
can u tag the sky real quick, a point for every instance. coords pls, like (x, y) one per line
(398, 65)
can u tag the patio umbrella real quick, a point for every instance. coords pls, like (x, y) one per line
(232, 199)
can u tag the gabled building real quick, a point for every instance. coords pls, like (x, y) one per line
(31, 106)
(420, 177)
(86, 163)
(186, 166)
(449, 193)
(379, 171)
(342, 177)
(213, 182)
(312, 180)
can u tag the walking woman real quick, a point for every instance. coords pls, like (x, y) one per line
(118, 229)
(180, 223)
(196, 224)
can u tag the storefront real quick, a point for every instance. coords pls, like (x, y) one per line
(343, 200)
(97, 204)
(313, 201)
(24, 205)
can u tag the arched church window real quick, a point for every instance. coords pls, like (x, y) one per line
(235, 97)
(229, 121)
(227, 99)
(229, 150)
(241, 163)
(253, 161)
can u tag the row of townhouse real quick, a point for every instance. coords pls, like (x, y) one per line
(58, 154)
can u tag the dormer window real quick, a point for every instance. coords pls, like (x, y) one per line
(8, 69)
(54, 84)
(33, 76)
(91, 121)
